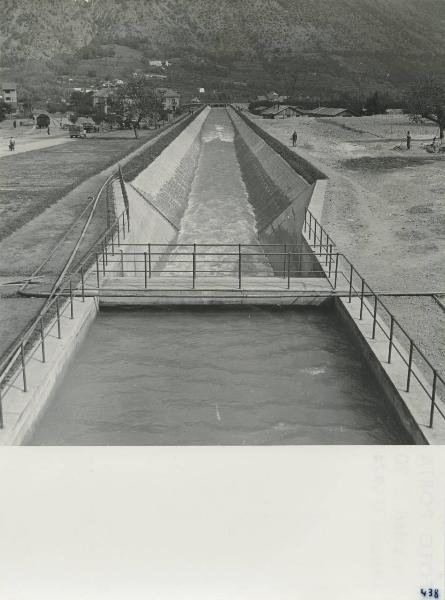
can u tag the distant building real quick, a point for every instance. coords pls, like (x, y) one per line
(323, 111)
(155, 63)
(281, 112)
(101, 100)
(9, 93)
(169, 98)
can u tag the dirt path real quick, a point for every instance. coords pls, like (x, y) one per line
(385, 210)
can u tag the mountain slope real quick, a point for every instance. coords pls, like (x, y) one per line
(44, 28)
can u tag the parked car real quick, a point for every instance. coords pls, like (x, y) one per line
(77, 131)
(90, 128)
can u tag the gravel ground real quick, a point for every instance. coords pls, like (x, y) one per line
(384, 208)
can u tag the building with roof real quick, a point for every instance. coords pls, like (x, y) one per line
(323, 111)
(101, 100)
(281, 112)
(169, 98)
(9, 94)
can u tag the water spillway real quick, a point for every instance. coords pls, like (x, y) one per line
(217, 377)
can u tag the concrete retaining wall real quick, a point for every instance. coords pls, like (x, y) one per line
(21, 410)
(158, 195)
(278, 194)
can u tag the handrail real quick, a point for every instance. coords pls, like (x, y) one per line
(12, 355)
(313, 224)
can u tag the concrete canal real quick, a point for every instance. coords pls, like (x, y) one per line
(215, 376)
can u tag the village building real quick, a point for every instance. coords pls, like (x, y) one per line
(9, 94)
(101, 100)
(281, 112)
(169, 98)
(323, 111)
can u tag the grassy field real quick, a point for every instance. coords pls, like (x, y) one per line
(33, 181)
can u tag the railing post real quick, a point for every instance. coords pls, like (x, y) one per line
(410, 365)
(83, 284)
(103, 264)
(22, 353)
(336, 270)
(350, 284)
(374, 316)
(361, 299)
(112, 243)
(284, 261)
(194, 266)
(315, 233)
(305, 218)
(122, 263)
(288, 270)
(330, 259)
(391, 333)
(71, 300)
(433, 398)
(104, 250)
(239, 266)
(42, 339)
(321, 240)
(149, 261)
(59, 332)
(145, 270)
(310, 226)
(97, 270)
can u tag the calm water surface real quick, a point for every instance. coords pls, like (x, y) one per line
(239, 376)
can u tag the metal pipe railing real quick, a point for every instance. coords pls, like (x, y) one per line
(311, 225)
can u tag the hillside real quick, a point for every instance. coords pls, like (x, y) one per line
(322, 42)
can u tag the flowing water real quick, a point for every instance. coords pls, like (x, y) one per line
(214, 376)
(218, 209)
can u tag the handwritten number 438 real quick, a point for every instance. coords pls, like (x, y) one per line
(429, 592)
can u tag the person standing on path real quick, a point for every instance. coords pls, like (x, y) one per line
(11, 144)
(294, 139)
(408, 140)
(48, 129)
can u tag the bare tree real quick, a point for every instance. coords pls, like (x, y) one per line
(427, 100)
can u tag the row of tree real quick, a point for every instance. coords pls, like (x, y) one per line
(129, 104)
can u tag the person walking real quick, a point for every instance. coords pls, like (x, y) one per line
(11, 144)
(294, 139)
(48, 130)
(408, 140)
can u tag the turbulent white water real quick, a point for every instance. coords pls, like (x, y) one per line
(209, 376)
(219, 210)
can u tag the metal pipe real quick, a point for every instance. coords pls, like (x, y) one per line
(288, 270)
(97, 271)
(336, 270)
(83, 284)
(22, 353)
(149, 261)
(391, 333)
(59, 332)
(239, 266)
(194, 265)
(350, 285)
(433, 397)
(284, 261)
(71, 300)
(361, 299)
(145, 270)
(410, 365)
(42, 339)
(374, 318)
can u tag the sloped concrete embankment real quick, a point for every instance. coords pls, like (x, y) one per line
(158, 195)
(278, 193)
